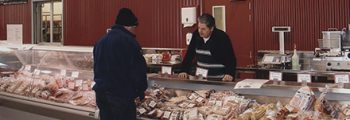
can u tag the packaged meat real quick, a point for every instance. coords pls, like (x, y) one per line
(14, 86)
(21, 89)
(63, 95)
(177, 100)
(214, 117)
(303, 100)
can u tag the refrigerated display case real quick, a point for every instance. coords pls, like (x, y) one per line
(51, 81)
(68, 70)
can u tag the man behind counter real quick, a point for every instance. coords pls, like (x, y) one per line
(213, 51)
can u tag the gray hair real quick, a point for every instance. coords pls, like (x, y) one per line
(207, 19)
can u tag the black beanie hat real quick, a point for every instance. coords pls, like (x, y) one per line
(126, 17)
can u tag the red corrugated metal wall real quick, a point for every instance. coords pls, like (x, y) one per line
(160, 23)
(307, 18)
(16, 14)
(238, 27)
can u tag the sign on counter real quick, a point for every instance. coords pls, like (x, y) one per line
(27, 68)
(63, 72)
(341, 78)
(202, 71)
(36, 72)
(166, 70)
(275, 76)
(250, 84)
(304, 77)
(75, 74)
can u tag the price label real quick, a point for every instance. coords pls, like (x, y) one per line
(78, 83)
(199, 99)
(27, 68)
(36, 72)
(152, 104)
(71, 85)
(275, 76)
(304, 77)
(202, 71)
(166, 70)
(142, 110)
(63, 72)
(344, 78)
(75, 74)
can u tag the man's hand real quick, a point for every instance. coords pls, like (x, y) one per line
(183, 75)
(227, 78)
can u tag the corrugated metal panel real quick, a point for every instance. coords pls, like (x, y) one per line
(308, 18)
(16, 14)
(160, 25)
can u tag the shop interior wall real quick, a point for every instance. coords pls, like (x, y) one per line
(16, 14)
(307, 18)
(160, 23)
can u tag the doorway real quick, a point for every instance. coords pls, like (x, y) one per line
(47, 22)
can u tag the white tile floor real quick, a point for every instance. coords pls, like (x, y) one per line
(13, 114)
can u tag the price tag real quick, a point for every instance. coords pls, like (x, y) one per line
(166, 70)
(275, 76)
(199, 99)
(344, 78)
(304, 77)
(27, 67)
(218, 103)
(63, 72)
(142, 110)
(202, 71)
(166, 114)
(152, 104)
(71, 85)
(36, 72)
(78, 83)
(75, 74)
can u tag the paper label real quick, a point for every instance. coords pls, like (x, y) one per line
(275, 76)
(304, 77)
(75, 74)
(152, 104)
(63, 72)
(142, 110)
(199, 99)
(166, 70)
(166, 114)
(202, 71)
(27, 68)
(71, 85)
(341, 78)
(250, 84)
(193, 96)
(36, 72)
(191, 105)
(218, 103)
(78, 83)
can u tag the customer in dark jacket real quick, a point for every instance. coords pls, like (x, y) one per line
(119, 70)
(213, 51)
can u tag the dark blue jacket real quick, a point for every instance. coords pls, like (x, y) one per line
(119, 66)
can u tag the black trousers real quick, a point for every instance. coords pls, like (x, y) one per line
(113, 108)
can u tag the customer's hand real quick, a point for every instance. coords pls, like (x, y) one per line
(227, 78)
(183, 75)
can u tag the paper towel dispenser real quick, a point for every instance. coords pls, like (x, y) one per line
(188, 16)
